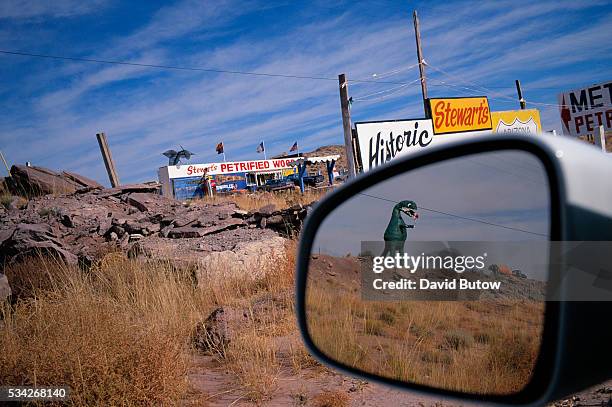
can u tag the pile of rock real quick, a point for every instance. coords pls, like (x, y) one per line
(37, 181)
(90, 220)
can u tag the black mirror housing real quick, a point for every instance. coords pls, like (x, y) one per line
(567, 361)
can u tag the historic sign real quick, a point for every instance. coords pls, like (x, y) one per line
(380, 142)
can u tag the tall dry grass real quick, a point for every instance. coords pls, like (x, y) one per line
(119, 334)
(483, 346)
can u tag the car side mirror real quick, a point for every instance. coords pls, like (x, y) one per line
(456, 271)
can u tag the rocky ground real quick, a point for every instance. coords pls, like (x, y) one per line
(77, 220)
(83, 221)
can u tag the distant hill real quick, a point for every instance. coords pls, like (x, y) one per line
(329, 150)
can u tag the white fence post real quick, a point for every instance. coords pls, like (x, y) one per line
(600, 138)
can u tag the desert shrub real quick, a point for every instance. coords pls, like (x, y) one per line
(373, 327)
(435, 356)
(419, 330)
(387, 317)
(482, 337)
(458, 339)
(514, 353)
(331, 399)
(5, 200)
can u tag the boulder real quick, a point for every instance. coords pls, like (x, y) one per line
(267, 209)
(240, 213)
(153, 187)
(219, 329)
(184, 232)
(36, 181)
(33, 240)
(248, 260)
(195, 229)
(145, 201)
(83, 181)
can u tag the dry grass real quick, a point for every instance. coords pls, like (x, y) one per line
(331, 399)
(254, 201)
(472, 346)
(120, 333)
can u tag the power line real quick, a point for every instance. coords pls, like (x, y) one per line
(482, 88)
(506, 99)
(387, 92)
(460, 217)
(188, 68)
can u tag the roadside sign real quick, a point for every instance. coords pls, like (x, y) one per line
(582, 110)
(229, 167)
(517, 121)
(382, 141)
(457, 115)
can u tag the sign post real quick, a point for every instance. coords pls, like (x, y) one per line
(346, 124)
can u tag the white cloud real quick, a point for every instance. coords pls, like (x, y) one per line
(144, 111)
(27, 9)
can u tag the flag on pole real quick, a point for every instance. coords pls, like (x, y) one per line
(294, 147)
(219, 148)
(261, 148)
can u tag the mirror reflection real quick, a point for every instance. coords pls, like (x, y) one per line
(437, 276)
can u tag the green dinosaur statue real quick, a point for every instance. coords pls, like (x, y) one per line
(395, 234)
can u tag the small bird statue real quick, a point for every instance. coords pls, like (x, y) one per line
(395, 233)
(174, 157)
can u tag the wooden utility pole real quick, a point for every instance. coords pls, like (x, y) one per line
(108, 160)
(346, 124)
(520, 94)
(417, 34)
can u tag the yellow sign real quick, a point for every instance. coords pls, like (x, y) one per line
(517, 121)
(455, 115)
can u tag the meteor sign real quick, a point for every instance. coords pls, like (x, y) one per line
(584, 109)
(456, 115)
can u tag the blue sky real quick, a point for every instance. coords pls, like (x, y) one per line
(52, 109)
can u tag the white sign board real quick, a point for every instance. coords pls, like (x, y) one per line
(380, 142)
(229, 167)
(582, 110)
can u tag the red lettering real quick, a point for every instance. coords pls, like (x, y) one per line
(578, 121)
(453, 116)
(439, 113)
(223, 167)
(589, 122)
(486, 115)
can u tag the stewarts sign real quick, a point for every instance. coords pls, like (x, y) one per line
(230, 167)
(382, 141)
(584, 109)
(456, 115)
(517, 121)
